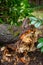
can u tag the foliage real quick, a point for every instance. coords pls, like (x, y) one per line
(40, 45)
(36, 21)
(13, 10)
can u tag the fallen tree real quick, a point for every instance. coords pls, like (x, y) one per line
(9, 34)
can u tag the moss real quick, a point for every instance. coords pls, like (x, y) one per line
(14, 33)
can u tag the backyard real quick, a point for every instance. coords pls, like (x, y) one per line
(21, 32)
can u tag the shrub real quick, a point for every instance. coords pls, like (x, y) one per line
(12, 10)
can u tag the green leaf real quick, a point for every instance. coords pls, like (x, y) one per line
(33, 18)
(40, 45)
(42, 49)
(11, 22)
(33, 22)
(1, 20)
(37, 24)
(40, 40)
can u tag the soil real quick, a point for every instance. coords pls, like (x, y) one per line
(36, 58)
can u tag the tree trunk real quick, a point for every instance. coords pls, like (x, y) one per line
(8, 33)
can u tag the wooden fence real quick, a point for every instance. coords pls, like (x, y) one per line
(36, 2)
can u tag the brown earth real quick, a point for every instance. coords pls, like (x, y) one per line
(35, 58)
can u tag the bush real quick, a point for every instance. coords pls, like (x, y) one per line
(13, 10)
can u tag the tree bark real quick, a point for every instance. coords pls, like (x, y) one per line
(8, 33)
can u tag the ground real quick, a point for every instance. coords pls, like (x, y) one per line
(36, 58)
(38, 14)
